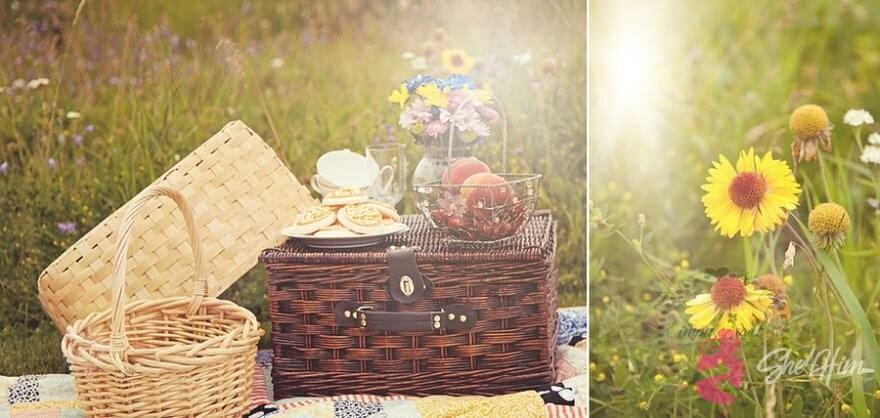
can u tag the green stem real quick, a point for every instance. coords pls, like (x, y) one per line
(749, 257)
(825, 178)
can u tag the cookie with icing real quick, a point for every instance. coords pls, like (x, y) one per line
(345, 196)
(313, 219)
(387, 210)
(361, 218)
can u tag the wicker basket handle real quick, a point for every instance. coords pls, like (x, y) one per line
(118, 338)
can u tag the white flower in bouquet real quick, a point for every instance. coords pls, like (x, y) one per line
(874, 138)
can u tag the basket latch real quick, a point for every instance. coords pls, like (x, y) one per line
(406, 284)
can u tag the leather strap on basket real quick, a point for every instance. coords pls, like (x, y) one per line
(118, 339)
(405, 283)
(454, 317)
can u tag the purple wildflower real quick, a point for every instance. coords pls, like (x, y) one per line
(66, 227)
(78, 139)
(52, 163)
(4, 167)
(90, 128)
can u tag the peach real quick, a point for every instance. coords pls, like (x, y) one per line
(461, 169)
(499, 194)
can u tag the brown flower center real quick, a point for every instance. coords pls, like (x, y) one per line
(728, 292)
(747, 189)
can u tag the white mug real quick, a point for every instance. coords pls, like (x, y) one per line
(343, 168)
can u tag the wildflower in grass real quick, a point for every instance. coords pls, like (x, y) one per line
(78, 139)
(600, 377)
(871, 154)
(790, 252)
(66, 227)
(418, 63)
(439, 35)
(780, 300)
(73, 115)
(399, 96)
(523, 58)
(659, 378)
(277, 62)
(844, 408)
(457, 61)
(754, 196)
(548, 66)
(90, 128)
(829, 223)
(4, 167)
(857, 117)
(812, 129)
(52, 163)
(644, 405)
(428, 48)
(18, 84)
(735, 305)
(37, 83)
(432, 95)
(723, 357)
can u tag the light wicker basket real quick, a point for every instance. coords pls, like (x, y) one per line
(171, 357)
(242, 195)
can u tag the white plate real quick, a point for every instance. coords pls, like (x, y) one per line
(363, 240)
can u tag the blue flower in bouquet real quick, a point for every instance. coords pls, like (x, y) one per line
(419, 80)
(458, 81)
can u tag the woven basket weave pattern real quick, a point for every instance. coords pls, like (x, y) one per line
(242, 196)
(170, 357)
(510, 348)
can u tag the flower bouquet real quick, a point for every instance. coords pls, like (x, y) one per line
(448, 116)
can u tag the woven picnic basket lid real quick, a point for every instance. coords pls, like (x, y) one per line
(242, 195)
(536, 242)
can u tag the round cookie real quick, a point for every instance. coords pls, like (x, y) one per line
(361, 218)
(313, 219)
(345, 196)
(387, 210)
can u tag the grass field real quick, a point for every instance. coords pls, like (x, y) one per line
(717, 78)
(133, 86)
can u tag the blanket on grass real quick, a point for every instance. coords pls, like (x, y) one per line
(53, 395)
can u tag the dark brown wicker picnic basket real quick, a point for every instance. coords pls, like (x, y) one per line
(414, 316)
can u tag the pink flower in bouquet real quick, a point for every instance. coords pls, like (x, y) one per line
(415, 112)
(478, 127)
(436, 128)
(461, 116)
(457, 97)
(490, 114)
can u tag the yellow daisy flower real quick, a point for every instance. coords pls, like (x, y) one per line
(457, 61)
(433, 95)
(754, 196)
(736, 305)
(399, 96)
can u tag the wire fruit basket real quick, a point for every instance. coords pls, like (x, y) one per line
(480, 215)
